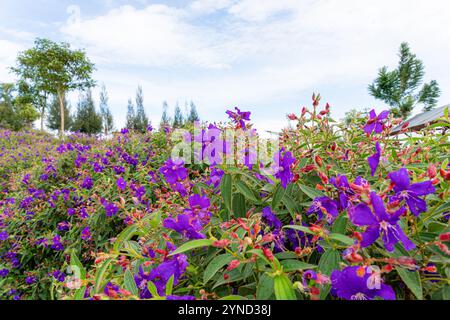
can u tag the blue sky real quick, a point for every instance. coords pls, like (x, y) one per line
(264, 56)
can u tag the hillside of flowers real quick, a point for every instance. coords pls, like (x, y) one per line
(341, 211)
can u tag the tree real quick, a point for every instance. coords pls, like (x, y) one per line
(15, 111)
(33, 95)
(105, 112)
(54, 68)
(165, 120)
(131, 116)
(193, 115)
(398, 88)
(177, 117)
(87, 119)
(54, 115)
(141, 121)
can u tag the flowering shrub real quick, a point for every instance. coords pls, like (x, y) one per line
(341, 211)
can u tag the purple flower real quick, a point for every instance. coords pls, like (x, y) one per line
(121, 184)
(374, 160)
(199, 206)
(379, 223)
(271, 219)
(404, 190)
(110, 208)
(215, 177)
(124, 131)
(87, 183)
(57, 245)
(4, 273)
(357, 283)
(71, 211)
(30, 280)
(238, 117)
(175, 267)
(119, 169)
(375, 122)
(185, 224)
(4, 236)
(86, 234)
(282, 167)
(111, 290)
(174, 171)
(63, 226)
(58, 275)
(324, 206)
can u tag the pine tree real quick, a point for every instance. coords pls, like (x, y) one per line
(54, 114)
(177, 117)
(107, 117)
(398, 88)
(131, 116)
(165, 120)
(193, 115)
(87, 119)
(141, 120)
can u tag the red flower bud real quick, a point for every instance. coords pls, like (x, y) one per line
(445, 237)
(221, 243)
(233, 265)
(268, 254)
(318, 160)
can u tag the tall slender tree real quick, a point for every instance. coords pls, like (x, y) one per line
(87, 119)
(400, 88)
(177, 117)
(54, 68)
(141, 121)
(107, 117)
(131, 116)
(193, 115)
(165, 119)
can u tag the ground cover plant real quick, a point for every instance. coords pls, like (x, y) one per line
(338, 210)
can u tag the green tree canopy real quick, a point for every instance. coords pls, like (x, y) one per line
(15, 111)
(131, 116)
(105, 111)
(399, 88)
(193, 115)
(54, 68)
(177, 117)
(141, 121)
(87, 119)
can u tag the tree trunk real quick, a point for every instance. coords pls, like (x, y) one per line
(61, 104)
(42, 118)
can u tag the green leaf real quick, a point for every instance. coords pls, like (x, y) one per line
(412, 280)
(265, 287)
(341, 238)
(75, 262)
(290, 204)
(283, 288)
(100, 275)
(299, 228)
(169, 286)
(225, 190)
(310, 192)
(129, 283)
(295, 265)
(239, 208)
(327, 264)
(340, 224)
(246, 191)
(278, 195)
(215, 265)
(192, 245)
(152, 288)
(126, 234)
